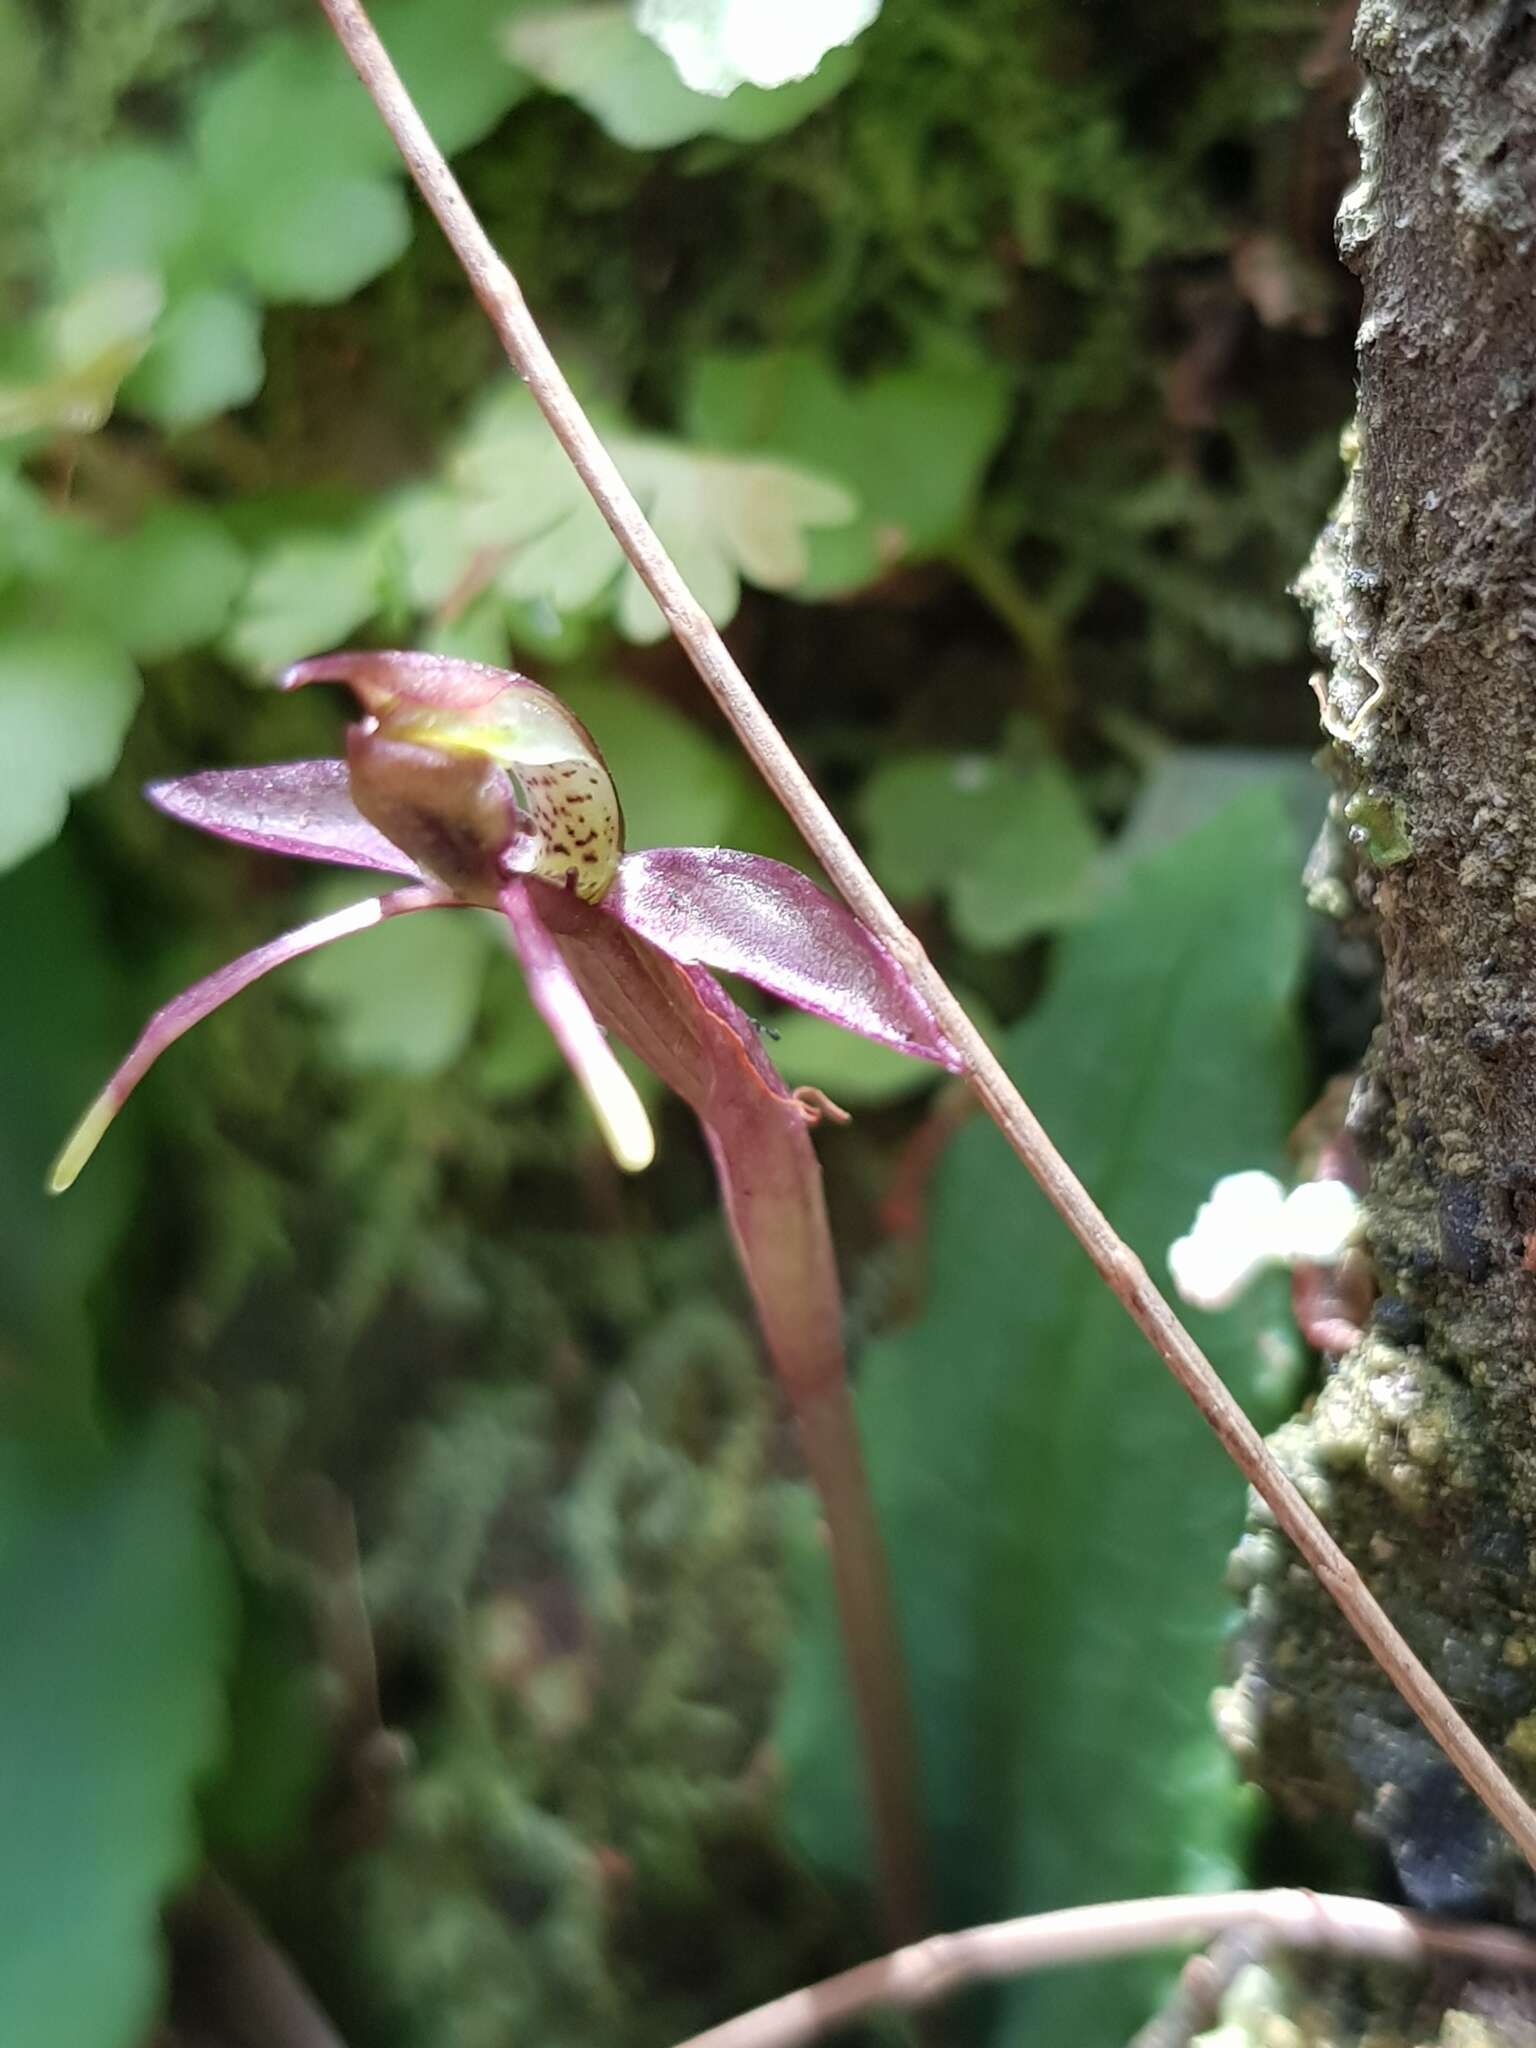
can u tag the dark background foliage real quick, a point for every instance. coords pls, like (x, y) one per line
(396, 1517)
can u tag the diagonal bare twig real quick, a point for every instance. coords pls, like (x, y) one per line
(233, 1984)
(945, 1963)
(507, 310)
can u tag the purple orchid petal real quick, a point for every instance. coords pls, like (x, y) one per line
(441, 681)
(742, 913)
(695, 1039)
(303, 808)
(560, 1002)
(208, 995)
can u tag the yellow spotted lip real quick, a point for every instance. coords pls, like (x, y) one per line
(571, 822)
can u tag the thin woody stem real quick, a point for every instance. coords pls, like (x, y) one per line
(945, 1963)
(498, 292)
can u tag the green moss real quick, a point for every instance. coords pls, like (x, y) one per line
(1377, 827)
(589, 1826)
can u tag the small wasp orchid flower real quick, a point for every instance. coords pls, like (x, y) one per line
(468, 786)
(478, 788)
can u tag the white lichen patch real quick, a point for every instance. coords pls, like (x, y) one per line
(1351, 691)
(1359, 214)
(1468, 2030)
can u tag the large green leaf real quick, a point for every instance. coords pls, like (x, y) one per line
(137, 210)
(115, 1615)
(1058, 1516)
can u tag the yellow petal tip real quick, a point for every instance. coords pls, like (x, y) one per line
(621, 1116)
(80, 1144)
(631, 1139)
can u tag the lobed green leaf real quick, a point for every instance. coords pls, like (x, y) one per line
(67, 697)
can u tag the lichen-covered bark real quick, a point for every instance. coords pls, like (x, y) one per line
(1421, 1447)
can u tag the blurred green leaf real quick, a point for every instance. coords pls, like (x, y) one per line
(522, 503)
(317, 241)
(402, 998)
(478, 633)
(107, 318)
(449, 54)
(434, 542)
(115, 1614)
(131, 207)
(306, 593)
(167, 585)
(67, 698)
(279, 1733)
(63, 1023)
(910, 444)
(855, 1073)
(751, 115)
(295, 163)
(93, 340)
(34, 542)
(1012, 849)
(302, 177)
(204, 358)
(518, 1055)
(597, 56)
(1185, 787)
(290, 109)
(721, 517)
(1059, 1516)
(718, 45)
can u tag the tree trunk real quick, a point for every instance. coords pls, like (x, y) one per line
(1421, 1446)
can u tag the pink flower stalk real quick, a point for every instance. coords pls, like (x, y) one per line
(477, 788)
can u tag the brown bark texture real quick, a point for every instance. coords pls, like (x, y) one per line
(1420, 1447)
